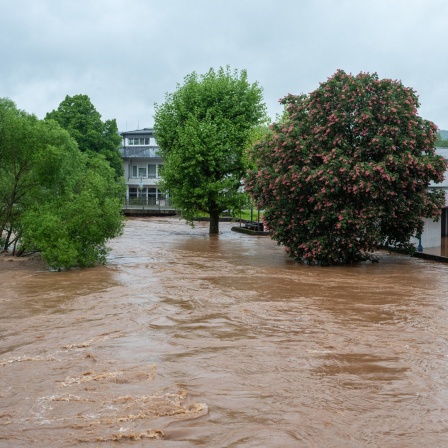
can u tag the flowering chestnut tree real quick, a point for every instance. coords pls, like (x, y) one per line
(347, 170)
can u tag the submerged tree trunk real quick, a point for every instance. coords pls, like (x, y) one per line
(214, 223)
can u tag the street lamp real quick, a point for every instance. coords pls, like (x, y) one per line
(140, 187)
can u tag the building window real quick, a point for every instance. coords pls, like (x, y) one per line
(139, 141)
(152, 196)
(152, 171)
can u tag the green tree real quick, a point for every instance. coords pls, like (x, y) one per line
(53, 198)
(348, 170)
(441, 142)
(79, 117)
(203, 129)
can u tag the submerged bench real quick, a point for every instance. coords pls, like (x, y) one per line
(255, 226)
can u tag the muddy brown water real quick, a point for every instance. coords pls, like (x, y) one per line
(186, 340)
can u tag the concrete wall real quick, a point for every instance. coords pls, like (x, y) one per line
(431, 236)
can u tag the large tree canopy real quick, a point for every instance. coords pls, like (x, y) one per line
(79, 117)
(53, 198)
(203, 129)
(348, 170)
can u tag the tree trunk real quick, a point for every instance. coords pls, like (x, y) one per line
(214, 223)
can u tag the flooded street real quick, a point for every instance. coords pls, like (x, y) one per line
(186, 340)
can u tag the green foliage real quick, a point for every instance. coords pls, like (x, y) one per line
(348, 170)
(53, 198)
(203, 129)
(79, 117)
(71, 230)
(441, 142)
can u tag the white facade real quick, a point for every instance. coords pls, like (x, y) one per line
(433, 231)
(431, 236)
(142, 169)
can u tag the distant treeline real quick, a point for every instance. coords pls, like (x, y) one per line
(443, 139)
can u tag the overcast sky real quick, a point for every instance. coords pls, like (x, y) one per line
(126, 54)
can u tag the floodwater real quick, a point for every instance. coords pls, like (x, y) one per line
(186, 340)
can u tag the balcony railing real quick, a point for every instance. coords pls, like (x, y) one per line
(140, 151)
(147, 203)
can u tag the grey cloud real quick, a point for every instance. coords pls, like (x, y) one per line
(125, 54)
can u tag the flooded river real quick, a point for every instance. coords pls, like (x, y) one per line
(186, 340)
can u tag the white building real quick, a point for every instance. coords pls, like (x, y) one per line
(142, 166)
(434, 231)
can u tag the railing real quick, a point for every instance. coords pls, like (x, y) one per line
(147, 203)
(140, 151)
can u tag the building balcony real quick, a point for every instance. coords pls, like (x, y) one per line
(144, 181)
(139, 152)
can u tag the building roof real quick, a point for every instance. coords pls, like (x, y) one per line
(144, 131)
(442, 152)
